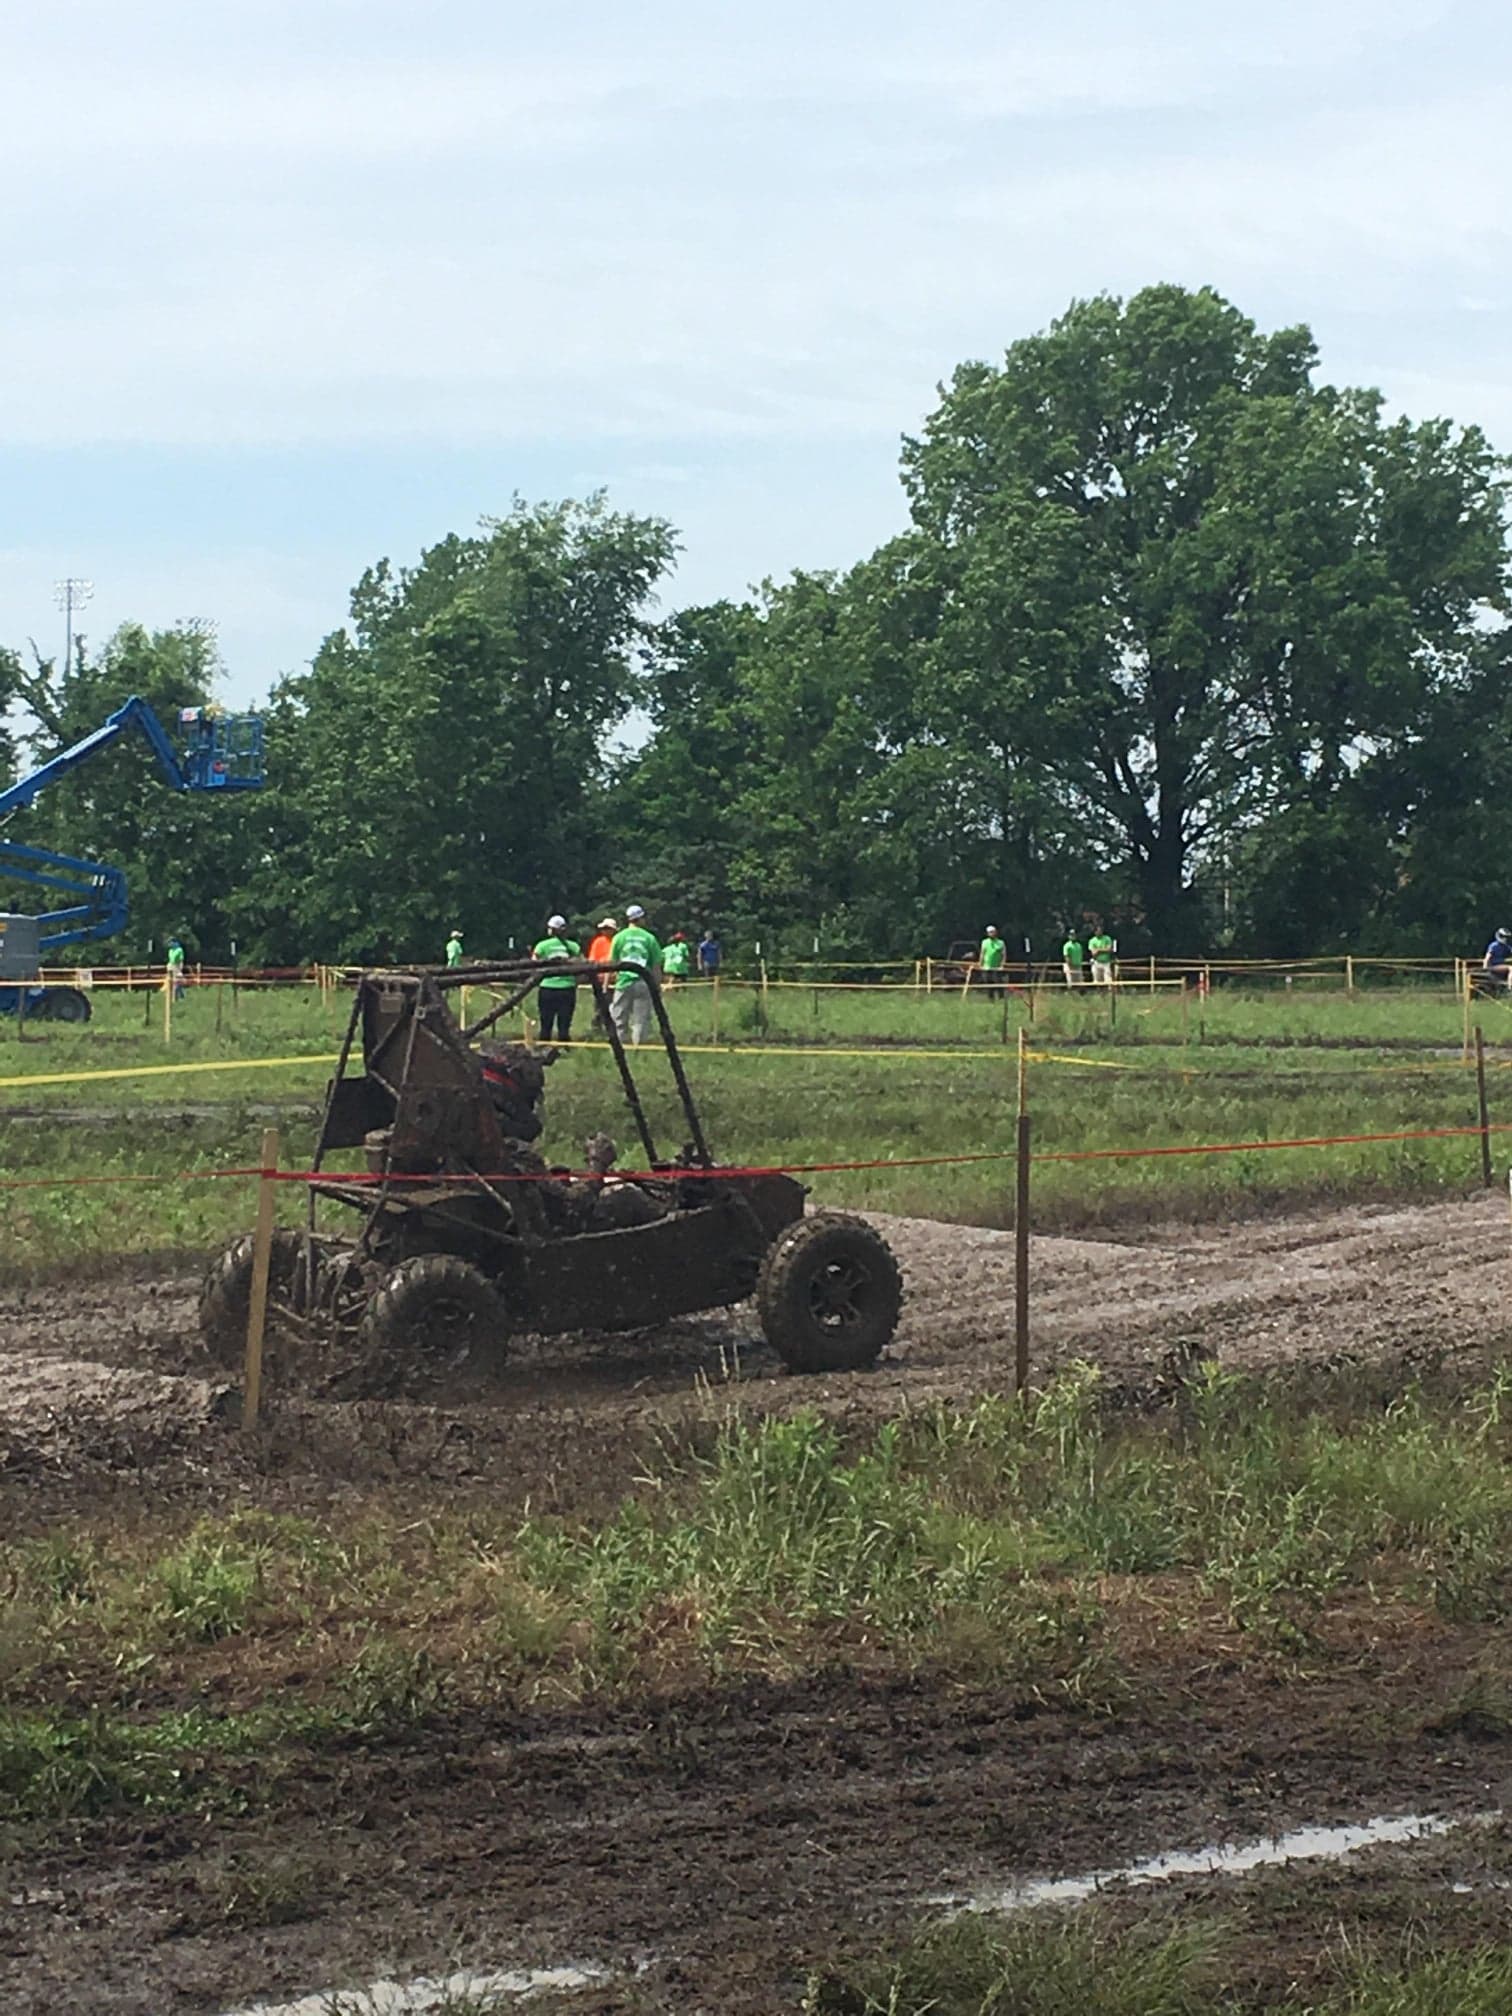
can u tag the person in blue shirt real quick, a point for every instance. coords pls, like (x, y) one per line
(1497, 964)
(710, 951)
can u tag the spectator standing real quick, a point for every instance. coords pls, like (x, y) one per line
(602, 942)
(710, 952)
(991, 957)
(630, 1003)
(454, 948)
(558, 991)
(1102, 948)
(1497, 964)
(677, 958)
(1072, 957)
(176, 968)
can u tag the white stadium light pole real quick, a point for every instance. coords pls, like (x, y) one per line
(70, 594)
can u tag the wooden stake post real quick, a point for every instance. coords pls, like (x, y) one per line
(262, 1256)
(1021, 1231)
(1465, 1045)
(1485, 1110)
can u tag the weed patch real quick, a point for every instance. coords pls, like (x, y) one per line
(1050, 1965)
(1015, 1543)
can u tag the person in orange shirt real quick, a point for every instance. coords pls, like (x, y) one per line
(600, 943)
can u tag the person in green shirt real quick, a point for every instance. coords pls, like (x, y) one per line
(454, 948)
(1071, 960)
(558, 991)
(991, 959)
(677, 958)
(1102, 948)
(176, 968)
(630, 1003)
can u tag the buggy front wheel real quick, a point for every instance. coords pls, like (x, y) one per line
(434, 1318)
(829, 1294)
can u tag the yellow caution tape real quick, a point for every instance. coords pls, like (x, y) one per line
(687, 1049)
(163, 1070)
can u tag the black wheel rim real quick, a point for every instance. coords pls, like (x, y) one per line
(448, 1330)
(839, 1294)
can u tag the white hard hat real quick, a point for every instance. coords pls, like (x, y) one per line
(992, 930)
(635, 911)
(556, 923)
(607, 924)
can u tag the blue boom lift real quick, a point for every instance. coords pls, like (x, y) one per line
(222, 752)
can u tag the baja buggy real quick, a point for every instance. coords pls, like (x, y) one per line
(465, 1236)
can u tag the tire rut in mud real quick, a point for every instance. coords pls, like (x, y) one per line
(747, 1828)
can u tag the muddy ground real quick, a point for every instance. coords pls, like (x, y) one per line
(103, 1385)
(719, 1848)
(720, 1844)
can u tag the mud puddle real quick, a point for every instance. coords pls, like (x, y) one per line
(433, 1995)
(1300, 1844)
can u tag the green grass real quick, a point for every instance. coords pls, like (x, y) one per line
(794, 1110)
(975, 1966)
(777, 1101)
(1049, 1965)
(1004, 1544)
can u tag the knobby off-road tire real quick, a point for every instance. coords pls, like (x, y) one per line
(433, 1320)
(829, 1294)
(226, 1292)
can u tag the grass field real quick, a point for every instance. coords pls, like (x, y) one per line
(1034, 1550)
(733, 1689)
(881, 1076)
(171, 1679)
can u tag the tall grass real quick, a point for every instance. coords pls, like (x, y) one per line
(1050, 1965)
(1007, 1542)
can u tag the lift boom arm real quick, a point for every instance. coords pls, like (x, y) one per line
(223, 752)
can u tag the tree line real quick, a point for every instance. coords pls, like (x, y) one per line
(1176, 636)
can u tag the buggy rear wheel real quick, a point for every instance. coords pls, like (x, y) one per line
(434, 1318)
(226, 1291)
(829, 1294)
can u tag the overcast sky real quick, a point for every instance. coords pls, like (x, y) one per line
(293, 284)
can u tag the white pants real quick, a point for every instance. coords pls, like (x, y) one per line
(631, 1008)
(1072, 973)
(1102, 972)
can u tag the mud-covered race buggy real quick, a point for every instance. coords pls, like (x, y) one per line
(467, 1236)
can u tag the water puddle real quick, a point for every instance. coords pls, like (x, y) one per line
(1303, 1844)
(433, 1995)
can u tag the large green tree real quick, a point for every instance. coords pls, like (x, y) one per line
(1186, 585)
(442, 760)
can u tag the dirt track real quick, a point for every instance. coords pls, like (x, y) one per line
(110, 1379)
